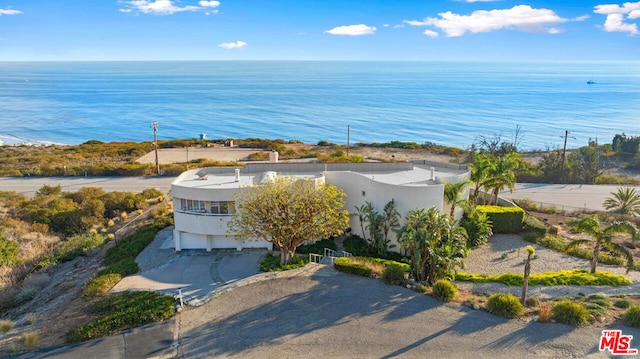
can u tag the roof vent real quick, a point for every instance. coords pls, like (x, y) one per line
(237, 175)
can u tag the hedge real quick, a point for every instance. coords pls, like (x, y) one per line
(504, 219)
(343, 264)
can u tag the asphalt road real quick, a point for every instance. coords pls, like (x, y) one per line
(328, 314)
(29, 185)
(569, 197)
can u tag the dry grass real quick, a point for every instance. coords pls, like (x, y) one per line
(376, 268)
(544, 312)
(5, 325)
(30, 339)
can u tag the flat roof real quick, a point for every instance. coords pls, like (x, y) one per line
(225, 177)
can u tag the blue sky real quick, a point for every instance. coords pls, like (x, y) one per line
(426, 30)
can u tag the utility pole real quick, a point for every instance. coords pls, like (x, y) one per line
(564, 153)
(348, 136)
(154, 125)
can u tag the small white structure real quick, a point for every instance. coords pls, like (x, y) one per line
(203, 201)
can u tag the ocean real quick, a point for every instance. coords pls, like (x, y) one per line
(446, 103)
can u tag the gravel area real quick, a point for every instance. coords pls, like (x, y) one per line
(488, 259)
(153, 256)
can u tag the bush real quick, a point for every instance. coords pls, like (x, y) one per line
(317, 247)
(393, 274)
(533, 225)
(344, 264)
(595, 309)
(271, 263)
(622, 303)
(504, 219)
(545, 313)
(444, 290)
(506, 305)
(123, 311)
(29, 339)
(570, 313)
(100, 285)
(420, 288)
(632, 316)
(565, 277)
(9, 251)
(5, 325)
(356, 245)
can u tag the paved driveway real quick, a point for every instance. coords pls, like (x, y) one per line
(336, 315)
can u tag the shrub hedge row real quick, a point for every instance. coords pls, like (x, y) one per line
(504, 219)
(343, 264)
(566, 277)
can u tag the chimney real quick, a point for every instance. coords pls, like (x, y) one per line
(237, 175)
(433, 173)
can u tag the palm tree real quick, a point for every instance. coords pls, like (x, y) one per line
(501, 174)
(452, 192)
(602, 238)
(479, 173)
(626, 201)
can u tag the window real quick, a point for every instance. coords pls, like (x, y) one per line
(192, 205)
(223, 207)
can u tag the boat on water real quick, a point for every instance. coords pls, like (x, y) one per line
(591, 82)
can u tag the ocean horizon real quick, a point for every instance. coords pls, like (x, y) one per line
(446, 103)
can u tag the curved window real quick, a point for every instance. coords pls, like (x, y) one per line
(207, 207)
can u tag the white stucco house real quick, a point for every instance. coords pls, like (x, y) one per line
(203, 202)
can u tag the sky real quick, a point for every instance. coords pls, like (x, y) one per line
(361, 30)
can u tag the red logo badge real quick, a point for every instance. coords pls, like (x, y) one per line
(616, 343)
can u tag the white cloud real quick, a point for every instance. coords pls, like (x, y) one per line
(209, 3)
(520, 17)
(616, 21)
(352, 30)
(431, 33)
(9, 12)
(166, 7)
(233, 45)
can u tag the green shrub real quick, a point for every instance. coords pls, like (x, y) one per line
(24, 295)
(632, 316)
(595, 309)
(479, 228)
(420, 288)
(622, 303)
(393, 274)
(356, 245)
(600, 299)
(123, 311)
(504, 219)
(100, 285)
(77, 246)
(343, 264)
(9, 251)
(317, 247)
(533, 225)
(444, 290)
(506, 305)
(568, 312)
(565, 277)
(271, 263)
